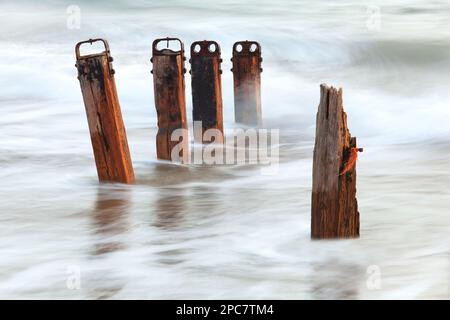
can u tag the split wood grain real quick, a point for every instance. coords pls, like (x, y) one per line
(334, 211)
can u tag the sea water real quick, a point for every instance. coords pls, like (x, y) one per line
(201, 231)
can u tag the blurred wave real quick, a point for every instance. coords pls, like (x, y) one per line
(226, 232)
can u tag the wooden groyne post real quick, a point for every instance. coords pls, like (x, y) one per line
(170, 102)
(206, 87)
(334, 212)
(247, 82)
(108, 136)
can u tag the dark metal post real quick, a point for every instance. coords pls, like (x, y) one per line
(207, 86)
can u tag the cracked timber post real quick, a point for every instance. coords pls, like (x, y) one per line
(207, 87)
(108, 136)
(170, 102)
(334, 212)
(247, 82)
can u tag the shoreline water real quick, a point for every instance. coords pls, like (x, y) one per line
(204, 232)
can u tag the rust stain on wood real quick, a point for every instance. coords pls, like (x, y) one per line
(108, 136)
(247, 82)
(207, 86)
(334, 211)
(169, 90)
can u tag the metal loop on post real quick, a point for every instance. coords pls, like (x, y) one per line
(91, 41)
(246, 45)
(205, 48)
(167, 51)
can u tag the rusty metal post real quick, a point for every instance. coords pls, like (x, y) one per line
(106, 127)
(207, 86)
(169, 90)
(334, 210)
(247, 82)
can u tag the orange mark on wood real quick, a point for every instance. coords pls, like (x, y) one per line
(351, 161)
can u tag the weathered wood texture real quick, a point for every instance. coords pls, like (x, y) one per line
(334, 211)
(170, 102)
(108, 136)
(207, 87)
(247, 82)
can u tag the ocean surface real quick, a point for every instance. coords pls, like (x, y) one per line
(226, 232)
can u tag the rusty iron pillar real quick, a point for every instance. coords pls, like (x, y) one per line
(247, 82)
(170, 102)
(106, 127)
(207, 87)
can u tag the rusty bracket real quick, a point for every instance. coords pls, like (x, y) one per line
(247, 49)
(207, 49)
(167, 51)
(106, 52)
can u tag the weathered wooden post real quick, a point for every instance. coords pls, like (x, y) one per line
(206, 86)
(334, 212)
(108, 135)
(168, 82)
(247, 82)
